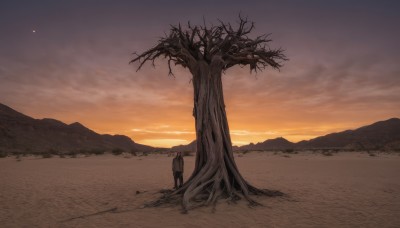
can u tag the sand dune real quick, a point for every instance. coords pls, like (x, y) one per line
(344, 190)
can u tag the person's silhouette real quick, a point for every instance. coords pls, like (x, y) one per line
(177, 170)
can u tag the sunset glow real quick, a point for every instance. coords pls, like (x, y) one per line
(343, 70)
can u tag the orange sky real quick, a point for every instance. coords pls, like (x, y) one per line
(343, 71)
(155, 109)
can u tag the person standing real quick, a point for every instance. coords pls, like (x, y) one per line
(177, 170)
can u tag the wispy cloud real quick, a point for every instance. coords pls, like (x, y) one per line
(246, 132)
(145, 131)
(165, 142)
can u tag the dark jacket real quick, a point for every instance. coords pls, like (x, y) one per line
(177, 164)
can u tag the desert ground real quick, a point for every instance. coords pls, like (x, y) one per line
(348, 189)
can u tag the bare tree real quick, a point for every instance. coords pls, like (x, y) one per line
(208, 51)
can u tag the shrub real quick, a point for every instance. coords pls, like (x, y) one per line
(47, 155)
(3, 154)
(371, 154)
(72, 154)
(97, 151)
(52, 151)
(117, 151)
(187, 153)
(290, 151)
(82, 151)
(133, 152)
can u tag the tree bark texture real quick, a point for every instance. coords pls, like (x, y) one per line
(215, 174)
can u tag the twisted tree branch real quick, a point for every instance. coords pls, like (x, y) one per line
(187, 46)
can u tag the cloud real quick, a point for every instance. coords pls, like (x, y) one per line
(165, 142)
(145, 131)
(246, 132)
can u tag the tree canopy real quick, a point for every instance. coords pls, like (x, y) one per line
(232, 45)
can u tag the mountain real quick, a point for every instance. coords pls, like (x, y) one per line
(380, 135)
(19, 132)
(183, 148)
(270, 144)
(191, 147)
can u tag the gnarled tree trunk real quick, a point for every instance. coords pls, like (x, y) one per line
(215, 174)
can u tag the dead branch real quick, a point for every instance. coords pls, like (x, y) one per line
(187, 46)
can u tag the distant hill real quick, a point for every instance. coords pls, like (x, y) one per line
(191, 147)
(183, 148)
(380, 135)
(19, 132)
(270, 144)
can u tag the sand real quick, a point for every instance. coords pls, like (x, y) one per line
(343, 190)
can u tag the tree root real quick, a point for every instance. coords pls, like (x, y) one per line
(171, 198)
